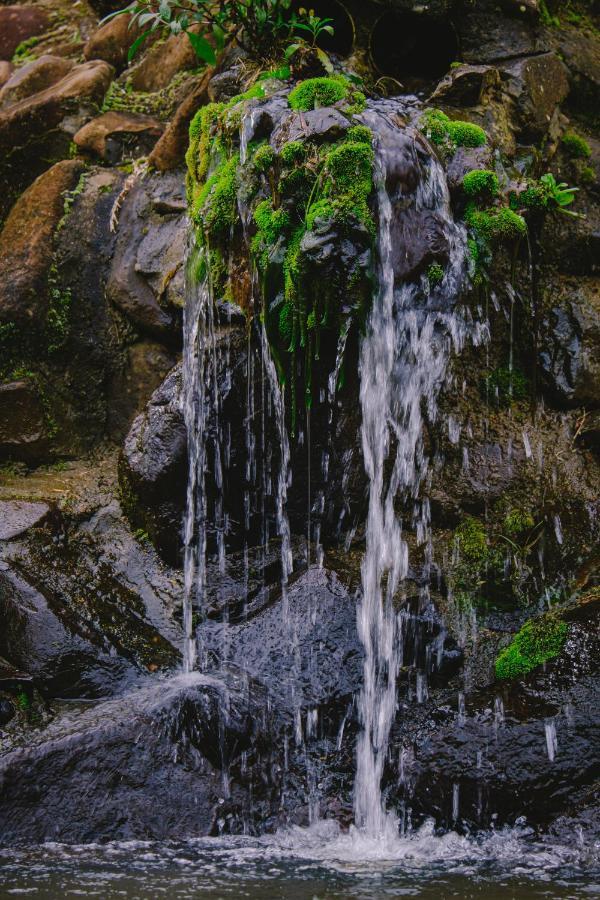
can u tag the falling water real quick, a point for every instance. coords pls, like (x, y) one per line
(403, 362)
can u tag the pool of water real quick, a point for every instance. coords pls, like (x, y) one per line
(319, 862)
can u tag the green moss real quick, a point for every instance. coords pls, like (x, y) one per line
(517, 522)
(316, 92)
(22, 53)
(59, 312)
(264, 158)
(293, 152)
(465, 134)
(449, 133)
(587, 175)
(435, 274)
(359, 134)
(505, 386)
(538, 641)
(576, 146)
(216, 207)
(497, 225)
(357, 105)
(481, 183)
(471, 539)
(535, 196)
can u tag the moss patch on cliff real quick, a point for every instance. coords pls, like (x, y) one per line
(538, 641)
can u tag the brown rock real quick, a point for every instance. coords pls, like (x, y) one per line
(17, 24)
(537, 85)
(162, 62)
(170, 150)
(118, 135)
(6, 70)
(34, 77)
(111, 42)
(38, 130)
(23, 429)
(26, 244)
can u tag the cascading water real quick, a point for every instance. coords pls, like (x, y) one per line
(403, 362)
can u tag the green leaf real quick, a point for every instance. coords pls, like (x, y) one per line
(136, 45)
(202, 48)
(289, 51)
(327, 64)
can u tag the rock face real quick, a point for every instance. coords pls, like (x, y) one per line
(23, 423)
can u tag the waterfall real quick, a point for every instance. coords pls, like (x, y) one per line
(403, 361)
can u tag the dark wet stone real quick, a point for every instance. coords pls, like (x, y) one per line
(466, 86)
(7, 711)
(17, 24)
(326, 124)
(23, 427)
(310, 653)
(147, 765)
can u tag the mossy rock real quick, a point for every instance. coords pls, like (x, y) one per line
(538, 641)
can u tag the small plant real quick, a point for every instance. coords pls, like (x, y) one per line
(314, 27)
(435, 274)
(538, 641)
(560, 194)
(23, 701)
(576, 146)
(259, 26)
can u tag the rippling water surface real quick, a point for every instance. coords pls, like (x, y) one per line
(319, 862)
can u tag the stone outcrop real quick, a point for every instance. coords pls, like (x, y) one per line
(117, 136)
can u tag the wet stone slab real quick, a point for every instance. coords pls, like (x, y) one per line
(18, 516)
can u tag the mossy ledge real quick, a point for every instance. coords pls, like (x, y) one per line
(538, 641)
(293, 195)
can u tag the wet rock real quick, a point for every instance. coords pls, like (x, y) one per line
(466, 86)
(36, 76)
(169, 152)
(310, 654)
(23, 426)
(465, 160)
(58, 654)
(39, 129)
(570, 345)
(111, 42)
(326, 124)
(162, 63)
(18, 516)
(146, 277)
(537, 86)
(116, 136)
(26, 245)
(148, 765)
(17, 24)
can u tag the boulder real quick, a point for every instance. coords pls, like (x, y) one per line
(146, 277)
(581, 54)
(26, 244)
(162, 63)
(19, 23)
(34, 77)
(116, 136)
(537, 86)
(18, 516)
(111, 42)
(39, 129)
(24, 430)
(486, 36)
